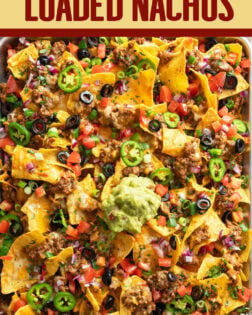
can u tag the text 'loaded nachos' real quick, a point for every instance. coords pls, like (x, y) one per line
(123, 184)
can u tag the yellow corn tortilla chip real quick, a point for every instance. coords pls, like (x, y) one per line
(162, 230)
(246, 240)
(26, 95)
(245, 195)
(96, 296)
(208, 262)
(140, 89)
(38, 211)
(173, 74)
(242, 85)
(25, 310)
(19, 63)
(122, 246)
(219, 283)
(210, 117)
(174, 141)
(52, 264)
(68, 56)
(80, 200)
(15, 275)
(43, 169)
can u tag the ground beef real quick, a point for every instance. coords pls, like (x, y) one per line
(65, 186)
(53, 244)
(159, 282)
(234, 259)
(166, 55)
(222, 202)
(110, 152)
(118, 116)
(235, 232)
(191, 157)
(239, 103)
(52, 80)
(124, 56)
(60, 282)
(218, 65)
(221, 142)
(3, 88)
(57, 51)
(36, 142)
(42, 96)
(140, 40)
(8, 193)
(197, 64)
(131, 170)
(139, 300)
(200, 235)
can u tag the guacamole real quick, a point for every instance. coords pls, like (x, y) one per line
(131, 204)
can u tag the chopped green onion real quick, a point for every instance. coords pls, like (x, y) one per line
(172, 222)
(121, 40)
(49, 254)
(132, 70)
(104, 40)
(193, 208)
(27, 190)
(93, 114)
(96, 61)
(183, 221)
(63, 219)
(114, 133)
(102, 177)
(95, 193)
(186, 204)
(227, 47)
(11, 98)
(243, 227)
(96, 139)
(33, 185)
(76, 133)
(88, 60)
(215, 152)
(22, 184)
(53, 133)
(121, 75)
(191, 60)
(28, 113)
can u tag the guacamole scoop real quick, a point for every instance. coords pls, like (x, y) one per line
(131, 204)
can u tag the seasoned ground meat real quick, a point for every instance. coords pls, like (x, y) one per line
(36, 142)
(166, 55)
(139, 300)
(118, 116)
(234, 259)
(57, 51)
(131, 170)
(221, 142)
(239, 104)
(52, 80)
(218, 65)
(140, 40)
(3, 88)
(222, 202)
(191, 157)
(42, 96)
(235, 232)
(199, 236)
(159, 281)
(124, 56)
(65, 186)
(110, 152)
(8, 193)
(53, 244)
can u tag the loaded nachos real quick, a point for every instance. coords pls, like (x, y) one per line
(123, 189)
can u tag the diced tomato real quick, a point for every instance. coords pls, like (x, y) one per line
(89, 274)
(232, 131)
(237, 216)
(83, 227)
(72, 232)
(7, 257)
(125, 263)
(72, 286)
(84, 64)
(225, 180)
(144, 266)
(76, 168)
(165, 94)
(6, 205)
(73, 48)
(101, 51)
(109, 66)
(245, 63)
(238, 69)
(74, 157)
(244, 294)
(112, 261)
(161, 220)
(138, 272)
(156, 295)
(161, 190)
(223, 111)
(194, 88)
(6, 141)
(216, 126)
(130, 269)
(164, 262)
(40, 191)
(88, 142)
(172, 107)
(50, 312)
(104, 102)
(126, 133)
(98, 69)
(232, 58)
(98, 273)
(217, 81)
(4, 226)
(227, 119)
(12, 86)
(182, 109)
(182, 290)
(101, 261)
(208, 248)
(144, 120)
(20, 303)
(189, 290)
(86, 128)
(11, 52)
(202, 47)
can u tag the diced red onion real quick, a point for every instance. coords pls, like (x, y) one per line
(6, 158)
(81, 279)
(102, 139)
(228, 242)
(30, 167)
(74, 143)
(124, 86)
(163, 243)
(220, 234)
(202, 195)
(230, 205)
(195, 169)
(2, 133)
(236, 248)
(26, 103)
(187, 252)
(23, 41)
(53, 70)
(159, 251)
(59, 283)
(34, 84)
(78, 277)
(237, 169)
(41, 278)
(245, 134)
(51, 57)
(179, 98)
(206, 58)
(244, 94)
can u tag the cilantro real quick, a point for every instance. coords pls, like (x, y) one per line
(215, 271)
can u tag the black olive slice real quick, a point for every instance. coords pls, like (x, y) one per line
(211, 41)
(239, 146)
(154, 125)
(109, 302)
(203, 204)
(16, 228)
(89, 254)
(197, 293)
(38, 127)
(173, 242)
(207, 140)
(44, 60)
(230, 82)
(93, 41)
(107, 90)
(108, 170)
(107, 276)
(73, 122)
(62, 156)
(171, 277)
(227, 216)
(6, 108)
(83, 53)
(86, 97)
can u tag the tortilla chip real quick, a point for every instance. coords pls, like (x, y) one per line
(245, 195)
(173, 74)
(96, 296)
(25, 310)
(219, 283)
(208, 262)
(242, 85)
(246, 240)
(140, 89)
(162, 230)
(80, 200)
(43, 169)
(26, 95)
(174, 141)
(19, 63)
(210, 117)
(15, 275)
(92, 83)
(122, 246)
(38, 211)
(52, 264)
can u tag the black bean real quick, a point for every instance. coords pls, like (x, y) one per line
(239, 146)
(38, 127)
(89, 254)
(109, 302)
(44, 60)
(86, 97)
(230, 82)
(173, 242)
(73, 122)
(107, 276)
(227, 216)
(83, 53)
(62, 156)
(160, 307)
(197, 293)
(211, 41)
(107, 90)
(171, 277)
